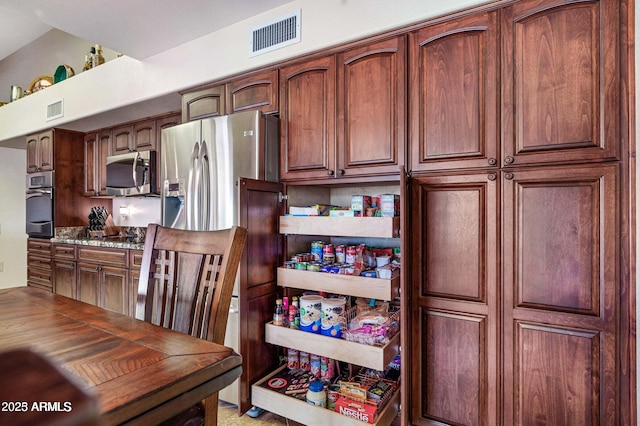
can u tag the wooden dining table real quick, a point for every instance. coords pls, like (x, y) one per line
(139, 373)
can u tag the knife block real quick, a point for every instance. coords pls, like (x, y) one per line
(108, 229)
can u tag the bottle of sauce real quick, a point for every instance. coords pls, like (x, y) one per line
(278, 315)
(97, 59)
(316, 394)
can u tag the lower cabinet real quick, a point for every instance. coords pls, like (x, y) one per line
(101, 276)
(39, 272)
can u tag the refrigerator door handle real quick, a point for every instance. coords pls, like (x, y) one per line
(204, 190)
(189, 197)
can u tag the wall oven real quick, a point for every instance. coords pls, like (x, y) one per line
(39, 199)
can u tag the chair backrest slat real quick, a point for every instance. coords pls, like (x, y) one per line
(187, 278)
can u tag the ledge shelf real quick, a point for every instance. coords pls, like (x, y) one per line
(374, 227)
(352, 285)
(305, 413)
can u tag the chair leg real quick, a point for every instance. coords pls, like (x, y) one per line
(211, 410)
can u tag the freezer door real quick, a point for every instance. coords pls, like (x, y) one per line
(178, 145)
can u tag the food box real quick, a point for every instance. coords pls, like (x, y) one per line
(360, 202)
(389, 205)
(341, 213)
(356, 410)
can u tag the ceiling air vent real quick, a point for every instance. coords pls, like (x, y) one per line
(55, 110)
(276, 34)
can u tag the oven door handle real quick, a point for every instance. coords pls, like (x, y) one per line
(38, 192)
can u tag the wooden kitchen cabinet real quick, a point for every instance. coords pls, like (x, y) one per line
(40, 152)
(560, 81)
(96, 150)
(254, 92)
(307, 119)
(371, 115)
(137, 136)
(64, 269)
(369, 84)
(103, 278)
(39, 268)
(202, 103)
(454, 94)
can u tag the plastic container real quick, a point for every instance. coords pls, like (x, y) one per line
(310, 313)
(332, 317)
(316, 394)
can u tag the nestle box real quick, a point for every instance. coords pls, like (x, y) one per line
(390, 205)
(356, 410)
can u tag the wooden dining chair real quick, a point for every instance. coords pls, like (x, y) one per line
(186, 283)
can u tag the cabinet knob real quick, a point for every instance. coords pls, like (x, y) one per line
(492, 161)
(491, 176)
(330, 172)
(509, 160)
(508, 176)
(340, 172)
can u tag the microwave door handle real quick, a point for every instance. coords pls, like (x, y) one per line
(133, 169)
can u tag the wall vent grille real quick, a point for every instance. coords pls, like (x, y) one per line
(276, 34)
(55, 110)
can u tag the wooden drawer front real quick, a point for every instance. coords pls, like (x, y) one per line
(64, 251)
(110, 256)
(135, 259)
(35, 245)
(40, 277)
(39, 262)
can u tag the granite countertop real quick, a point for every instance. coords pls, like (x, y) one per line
(116, 242)
(128, 238)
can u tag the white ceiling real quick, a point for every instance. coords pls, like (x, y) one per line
(136, 28)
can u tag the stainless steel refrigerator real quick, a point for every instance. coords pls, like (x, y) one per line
(201, 163)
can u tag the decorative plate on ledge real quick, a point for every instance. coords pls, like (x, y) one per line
(41, 82)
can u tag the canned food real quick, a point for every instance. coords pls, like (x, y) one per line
(290, 264)
(315, 366)
(341, 253)
(293, 359)
(350, 256)
(316, 250)
(328, 257)
(301, 265)
(304, 361)
(313, 266)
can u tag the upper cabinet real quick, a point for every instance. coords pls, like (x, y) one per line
(257, 91)
(371, 111)
(454, 93)
(560, 84)
(139, 136)
(307, 119)
(344, 115)
(40, 152)
(96, 150)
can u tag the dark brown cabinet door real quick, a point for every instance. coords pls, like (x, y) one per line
(209, 102)
(122, 139)
(454, 91)
(453, 299)
(144, 135)
(114, 285)
(307, 114)
(40, 152)
(560, 84)
(560, 297)
(371, 111)
(96, 150)
(88, 283)
(258, 91)
(64, 276)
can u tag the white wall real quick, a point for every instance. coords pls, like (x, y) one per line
(13, 239)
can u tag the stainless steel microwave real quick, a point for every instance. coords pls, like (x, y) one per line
(132, 174)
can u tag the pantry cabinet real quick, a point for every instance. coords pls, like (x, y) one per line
(560, 81)
(344, 115)
(368, 356)
(454, 94)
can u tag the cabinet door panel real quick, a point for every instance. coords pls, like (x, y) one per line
(144, 135)
(203, 103)
(559, 81)
(307, 96)
(121, 139)
(371, 108)
(32, 154)
(453, 302)
(114, 289)
(454, 94)
(90, 155)
(45, 150)
(259, 91)
(64, 276)
(559, 292)
(88, 283)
